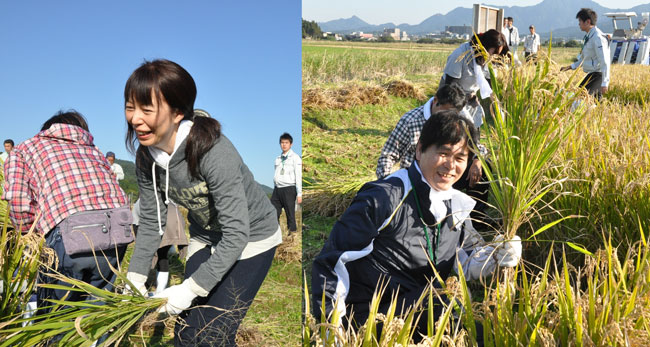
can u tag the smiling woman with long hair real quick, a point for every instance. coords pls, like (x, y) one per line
(185, 159)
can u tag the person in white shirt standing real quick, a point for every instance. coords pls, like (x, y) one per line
(9, 146)
(116, 168)
(594, 56)
(512, 38)
(512, 34)
(531, 44)
(287, 181)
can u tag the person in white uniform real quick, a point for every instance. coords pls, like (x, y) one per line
(467, 67)
(531, 44)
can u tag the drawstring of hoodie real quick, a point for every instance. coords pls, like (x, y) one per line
(155, 193)
(162, 159)
(167, 184)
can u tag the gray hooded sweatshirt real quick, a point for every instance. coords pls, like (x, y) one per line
(227, 209)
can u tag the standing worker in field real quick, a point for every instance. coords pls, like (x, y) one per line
(116, 168)
(9, 146)
(512, 38)
(531, 44)
(288, 182)
(594, 56)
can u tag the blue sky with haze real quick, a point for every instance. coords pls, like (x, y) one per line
(411, 11)
(243, 55)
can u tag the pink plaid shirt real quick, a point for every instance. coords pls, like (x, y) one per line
(56, 173)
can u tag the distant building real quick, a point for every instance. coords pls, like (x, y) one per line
(392, 32)
(459, 29)
(361, 36)
(337, 37)
(404, 37)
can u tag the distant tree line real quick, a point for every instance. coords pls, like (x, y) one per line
(130, 182)
(311, 29)
(442, 40)
(563, 43)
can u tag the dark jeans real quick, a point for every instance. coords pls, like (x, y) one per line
(214, 320)
(530, 56)
(285, 197)
(592, 83)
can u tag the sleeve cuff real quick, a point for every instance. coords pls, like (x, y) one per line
(195, 288)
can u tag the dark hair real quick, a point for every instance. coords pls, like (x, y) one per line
(510, 18)
(447, 127)
(451, 94)
(71, 117)
(9, 141)
(489, 39)
(174, 85)
(587, 13)
(286, 136)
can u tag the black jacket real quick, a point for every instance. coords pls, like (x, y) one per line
(381, 236)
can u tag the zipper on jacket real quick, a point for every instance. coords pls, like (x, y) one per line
(104, 229)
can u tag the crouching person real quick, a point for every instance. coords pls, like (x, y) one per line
(183, 157)
(62, 176)
(396, 226)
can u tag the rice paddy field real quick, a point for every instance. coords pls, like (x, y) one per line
(570, 176)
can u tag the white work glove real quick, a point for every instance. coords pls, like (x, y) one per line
(508, 253)
(179, 298)
(138, 282)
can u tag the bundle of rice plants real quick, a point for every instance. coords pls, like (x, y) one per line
(332, 198)
(533, 117)
(19, 260)
(344, 97)
(81, 323)
(404, 89)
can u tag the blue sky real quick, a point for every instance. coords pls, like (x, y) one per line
(412, 11)
(243, 55)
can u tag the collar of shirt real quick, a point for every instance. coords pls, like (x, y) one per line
(461, 204)
(589, 35)
(68, 132)
(289, 154)
(427, 108)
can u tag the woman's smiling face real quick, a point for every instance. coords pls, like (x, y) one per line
(155, 124)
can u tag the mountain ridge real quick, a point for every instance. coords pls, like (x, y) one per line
(559, 18)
